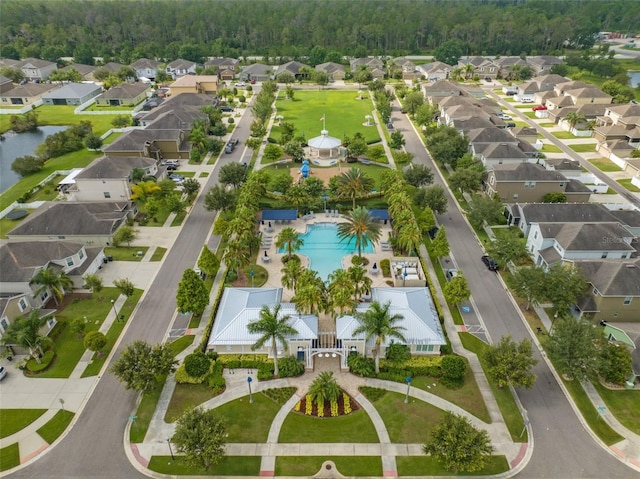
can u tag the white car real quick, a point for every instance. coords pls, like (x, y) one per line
(240, 83)
(3, 373)
(504, 116)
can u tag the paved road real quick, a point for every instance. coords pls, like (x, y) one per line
(94, 446)
(563, 448)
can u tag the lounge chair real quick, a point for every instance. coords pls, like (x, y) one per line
(326, 213)
(312, 214)
(386, 247)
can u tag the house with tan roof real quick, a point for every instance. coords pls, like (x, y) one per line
(5, 84)
(26, 94)
(125, 94)
(84, 70)
(482, 67)
(201, 84)
(542, 64)
(615, 290)
(435, 71)
(151, 143)
(17, 305)
(335, 71)
(186, 106)
(257, 71)
(296, 69)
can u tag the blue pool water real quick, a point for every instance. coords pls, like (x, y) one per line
(324, 250)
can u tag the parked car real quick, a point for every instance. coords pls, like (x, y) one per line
(510, 124)
(233, 142)
(403, 111)
(240, 84)
(526, 100)
(390, 126)
(488, 79)
(172, 167)
(351, 159)
(175, 177)
(433, 232)
(451, 273)
(490, 263)
(504, 116)
(3, 373)
(253, 82)
(226, 108)
(228, 149)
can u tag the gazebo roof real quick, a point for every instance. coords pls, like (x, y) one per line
(324, 141)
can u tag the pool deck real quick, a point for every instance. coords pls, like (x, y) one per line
(275, 264)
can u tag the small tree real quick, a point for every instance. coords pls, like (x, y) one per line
(615, 363)
(528, 283)
(510, 363)
(93, 141)
(433, 197)
(125, 286)
(324, 388)
(208, 262)
(126, 234)
(459, 446)
(94, 283)
(419, 175)
(141, 365)
(233, 174)
(467, 180)
(26, 165)
(190, 186)
(272, 153)
(120, 121)
(456, 291)
(440, 245)
(397, 140)
(77, 327)
(218, 198)
(573, 346)
(453, 370)
(482, 208)
(95, 341)
(200, 435)
(192, 295)
(508, 247)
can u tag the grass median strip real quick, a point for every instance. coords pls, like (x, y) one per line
(429, 466)
(9, 457)
(299, 428)
(56, 426)
(346, 465)
(158, 254)
(228, 466)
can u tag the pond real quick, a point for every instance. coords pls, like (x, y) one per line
(15, 145)
(634, 78)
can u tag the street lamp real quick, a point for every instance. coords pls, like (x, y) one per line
(170, 450)
(526, 421)
(406, 398)
(115, 311)
(325, 197)
(250, 395)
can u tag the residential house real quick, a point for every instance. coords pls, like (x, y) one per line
(422, 328)
(524, 215)
(16, 305)
(180, 67)
(26, 94)
(72, 94)
(626, 335)
(335, 71)
(222, 65)
(569, 168)
(479, 66)
(618, 132)
(405, 66)
(20, 261)
(256, 71)
(494, 154)
(435, 71)
(151, 143)
(207, 84)
(241, 306)
(587, 95)
(542, 64)
(297, 69)
(442, 88)
(84, 70)
(146, 68)
(590, 111)
(528, 182)
(550, 243)
(530, 90)
(35, 69)
(108, 178)
(125, 94)
(112, 68)
(376, 65)
(508, 65)
(5, 84)
(91, 223)
(186, 106)
(524, 133)
(614, 293)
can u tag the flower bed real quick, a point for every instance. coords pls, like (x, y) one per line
(343, 406)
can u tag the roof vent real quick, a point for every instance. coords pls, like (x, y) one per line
(630, 265)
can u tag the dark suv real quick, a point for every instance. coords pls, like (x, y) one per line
(490, 263)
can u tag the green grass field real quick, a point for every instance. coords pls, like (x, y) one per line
(9, 457)
(604, 164)
(429, 466)
(56, 426)
(249, 423)
(14, 420)
(623, 404)
(123, 253)
(563, 135)
(356, 427)
(547, 148)
(583, 147)
(344, 114)
(187, 396)
(228, 466)
(628, 185)
(346, 465)
(158, 253)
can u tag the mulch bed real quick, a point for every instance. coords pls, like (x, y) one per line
(327, 407)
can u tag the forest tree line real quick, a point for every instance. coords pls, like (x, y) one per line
(124, 31)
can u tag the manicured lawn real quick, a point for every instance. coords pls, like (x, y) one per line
(203, 174)
(178, 219)
(407, 423)
(260, 275)
(56, 426)
(68, 347)
(9, 457)
(181, 344)
(563, 135)
(547, 148)
(144, 413)
(356, 427)
(76, 159)
(429, 466)
(63, 115)
(249, 422)
(468, 397)
(124, 253)
(583, 147)
(624, 404)
(7, 225)
(187, 396)
(110, 108)
(530, 114)
(14, 420)
(605, 164)
(507, 404)
(112, 137)
(158, 254)
(228, 466)
(346, 465)
(628, 185)
(343, 112)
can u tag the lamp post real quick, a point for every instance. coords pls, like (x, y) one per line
(170, 450)
(250, 395)
(325, 197)
(526, 421)
(115, 311)
(406, 398)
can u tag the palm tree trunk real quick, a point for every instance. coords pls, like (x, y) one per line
(275, 356)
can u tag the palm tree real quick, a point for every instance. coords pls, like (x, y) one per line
(25, 332)
(468, 70)
(456, 74)
(409, 237)
(377, 322)
(290, 239)
(341, 291)
(324, 388)
(574, 118)
(354, 183)
(50, 279)
(291, 271)
(272, 326)
(236, 255)
(361, 282)
(361, 227)
(310, 292)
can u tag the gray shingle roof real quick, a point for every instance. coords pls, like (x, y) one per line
(125, 91)
(29, 90)
(74, 90)
(73, 219)
(613, 278)
(80, 68)
(525, 172)
(566, 213)
(114, 167)
(593, 237)
(145, 63)
(20, 260)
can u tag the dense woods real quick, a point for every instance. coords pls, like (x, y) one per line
(126, 30)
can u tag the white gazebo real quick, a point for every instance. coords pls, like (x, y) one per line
(325, 143)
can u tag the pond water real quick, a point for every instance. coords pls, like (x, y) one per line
(15, 145)
(635, 78)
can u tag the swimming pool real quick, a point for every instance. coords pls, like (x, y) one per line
(324, 249)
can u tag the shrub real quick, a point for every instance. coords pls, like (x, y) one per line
(395, 375)
(361, 366)
(217, 383)
(280, 395)
(359, 261)
(231, 121)
(289, 366)
(265, 372)
(385, 265)
(398, 353)
(197, 364)
(45, 362)
(182, 377)
(453, 371)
